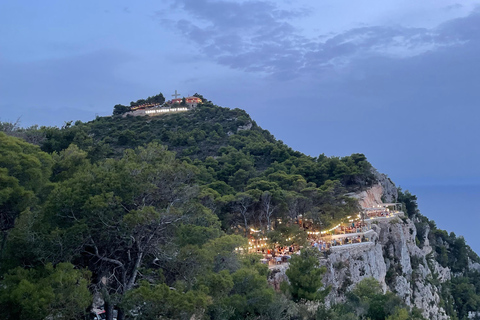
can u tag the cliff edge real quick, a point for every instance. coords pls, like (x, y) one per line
(394, 259)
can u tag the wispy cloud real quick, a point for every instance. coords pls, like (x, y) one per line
(260, 36)
(250, 35)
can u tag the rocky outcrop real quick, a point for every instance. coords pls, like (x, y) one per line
(349, 266)
(389, 190)
(247, 126)
(394, 259)
(473, 265)
(369, 198)
(277, 275)
(383, 191)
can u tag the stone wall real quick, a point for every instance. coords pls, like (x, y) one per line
(155, 112)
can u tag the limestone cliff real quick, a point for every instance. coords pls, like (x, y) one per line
(383, 191)
(394, 259)
(389, 190)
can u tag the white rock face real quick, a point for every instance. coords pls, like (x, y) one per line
(383, 191)
(247, 126)
(370, 197)
(473, 265)
(395, 261)
(349, 266)
(393, 258)
(390, 193)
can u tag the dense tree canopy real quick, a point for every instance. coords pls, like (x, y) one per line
(24, 180)
(305, 276)
(60, 292)
(149, 213)
(120, 109)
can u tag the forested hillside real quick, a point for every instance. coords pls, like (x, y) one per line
(234, 160)
(149, 213)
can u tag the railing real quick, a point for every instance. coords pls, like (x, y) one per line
(324, 244)
(388, 215)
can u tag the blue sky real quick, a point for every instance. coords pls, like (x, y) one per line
(396, 80)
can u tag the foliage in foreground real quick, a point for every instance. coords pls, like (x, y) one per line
(305, 276)
(59, 292)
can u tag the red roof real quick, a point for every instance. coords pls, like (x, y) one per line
(187, 99)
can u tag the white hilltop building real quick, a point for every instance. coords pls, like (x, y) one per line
(170, 106)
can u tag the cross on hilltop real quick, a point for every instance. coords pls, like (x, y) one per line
(176, 94)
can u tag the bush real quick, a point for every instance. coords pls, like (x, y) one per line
(305, 276)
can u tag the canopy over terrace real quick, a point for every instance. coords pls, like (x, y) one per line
(381, 211)
(396, 206)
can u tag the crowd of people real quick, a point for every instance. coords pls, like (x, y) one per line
(278, 255)
(281, 255)
(380, 214)
(354, 227)
(324, 242)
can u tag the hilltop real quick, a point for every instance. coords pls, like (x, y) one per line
(143, 204)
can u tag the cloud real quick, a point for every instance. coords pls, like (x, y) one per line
(406, 97)
(246, 15)
(260, 36)
(251, 35)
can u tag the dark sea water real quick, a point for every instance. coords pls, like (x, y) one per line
(453, 208)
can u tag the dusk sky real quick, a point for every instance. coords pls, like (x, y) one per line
(396, 80)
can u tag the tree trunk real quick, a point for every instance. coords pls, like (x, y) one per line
(109, 310)
(246, 227)
(133, 277)
(121, 314)
(3, 244)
